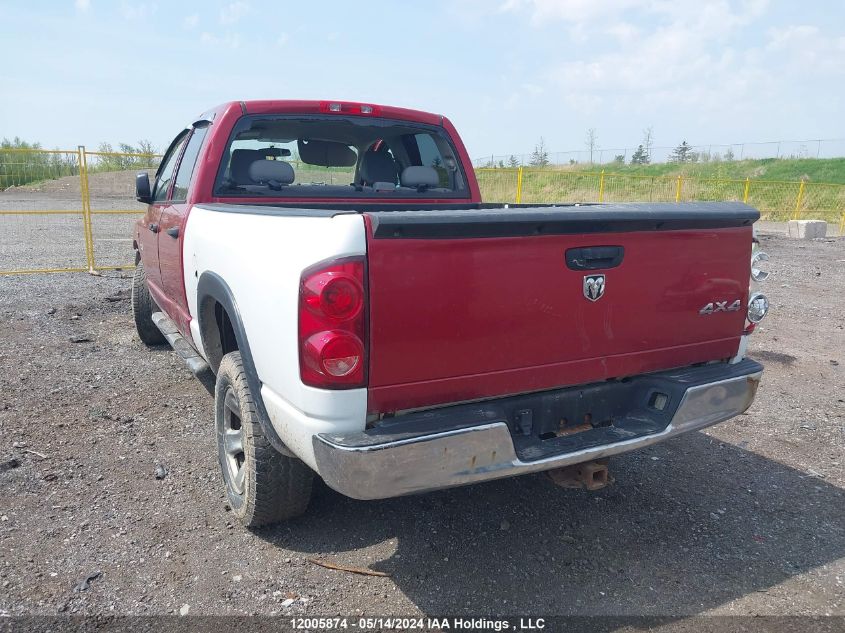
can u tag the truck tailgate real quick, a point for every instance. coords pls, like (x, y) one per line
(489, 302)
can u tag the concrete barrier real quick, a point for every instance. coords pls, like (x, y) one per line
(806, 229)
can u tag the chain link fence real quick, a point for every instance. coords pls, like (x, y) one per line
(111, 194)
(68, 210)
(43, 226)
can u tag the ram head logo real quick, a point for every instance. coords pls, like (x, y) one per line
(594, 287)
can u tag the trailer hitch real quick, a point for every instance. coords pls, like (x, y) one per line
(589, 475)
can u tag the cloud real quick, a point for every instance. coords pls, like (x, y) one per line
(229, 40)
(806, 48)
(82, 5)
(233, 12)
(191, 21)
(623, 32)
(680, 53)
(137, 10)
(715, 70)
(283, 39)
(581, 12)
(523, 97)
(574, 11)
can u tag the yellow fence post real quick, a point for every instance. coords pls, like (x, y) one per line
(842, 225)
(747, 187)
(86, 208)
(797, 213)
(678, 190)
(601, 186)
(519, 185)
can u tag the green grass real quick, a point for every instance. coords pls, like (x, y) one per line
(774, 187)
(823, 170)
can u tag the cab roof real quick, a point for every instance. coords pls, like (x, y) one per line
(290, 106)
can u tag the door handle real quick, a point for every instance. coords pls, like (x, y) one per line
(153, 228)
(173, 232)
(594, 257)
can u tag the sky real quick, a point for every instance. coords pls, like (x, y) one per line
(506, 72)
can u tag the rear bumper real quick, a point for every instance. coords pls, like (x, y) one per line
(471, 443)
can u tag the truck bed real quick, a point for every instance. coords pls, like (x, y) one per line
(467, 302)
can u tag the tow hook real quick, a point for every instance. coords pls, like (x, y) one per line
(590, 475)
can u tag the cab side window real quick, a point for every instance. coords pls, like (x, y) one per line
(187, 164)
(165, 173)
(430, 155)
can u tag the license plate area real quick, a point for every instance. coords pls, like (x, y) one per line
(568, 420)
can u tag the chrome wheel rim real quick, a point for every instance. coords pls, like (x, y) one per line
(233, 440)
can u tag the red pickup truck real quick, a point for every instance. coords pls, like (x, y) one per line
(329, 271)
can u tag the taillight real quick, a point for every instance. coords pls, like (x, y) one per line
(337, 295)
(332, 325)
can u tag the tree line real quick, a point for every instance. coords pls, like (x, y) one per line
(642, 155)
(23, 163)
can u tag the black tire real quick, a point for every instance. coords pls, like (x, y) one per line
(143, 307)
(262, 485)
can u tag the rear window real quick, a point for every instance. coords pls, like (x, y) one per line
(338, 157)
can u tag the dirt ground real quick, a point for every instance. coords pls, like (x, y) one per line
(746, 518)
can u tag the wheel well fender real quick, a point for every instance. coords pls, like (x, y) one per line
(222, 331)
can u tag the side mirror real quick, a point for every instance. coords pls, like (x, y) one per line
(143, 193)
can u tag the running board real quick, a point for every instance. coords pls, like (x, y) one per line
(196, 363)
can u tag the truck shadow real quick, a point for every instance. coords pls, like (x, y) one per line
(689, 525)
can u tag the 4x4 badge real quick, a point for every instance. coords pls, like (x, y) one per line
(720, 306)
(594, 287)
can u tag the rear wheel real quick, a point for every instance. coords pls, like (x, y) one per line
(143, 307)
(262, 485)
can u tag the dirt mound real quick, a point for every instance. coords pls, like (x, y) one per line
(108, 184)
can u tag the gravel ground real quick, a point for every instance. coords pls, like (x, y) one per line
(59, 238)
(747, 518)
